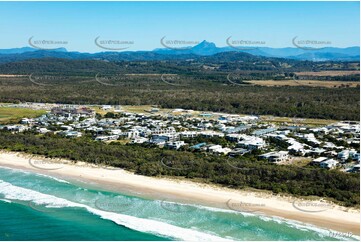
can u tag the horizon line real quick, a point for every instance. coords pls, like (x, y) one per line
(248, 48)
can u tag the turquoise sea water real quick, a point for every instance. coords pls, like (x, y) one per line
(38, 207)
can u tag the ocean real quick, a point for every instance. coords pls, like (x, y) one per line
(39, 207)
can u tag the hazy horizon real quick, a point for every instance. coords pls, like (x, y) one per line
(164, 48)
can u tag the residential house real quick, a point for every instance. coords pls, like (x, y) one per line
(174, 145)
(343, 155)
(276, 156)
(329, 164)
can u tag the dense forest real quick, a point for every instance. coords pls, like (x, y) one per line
(235, 173)
(247, 64)
(206, 83)
(216, 94)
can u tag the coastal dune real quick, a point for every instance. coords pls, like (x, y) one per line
(315, 212)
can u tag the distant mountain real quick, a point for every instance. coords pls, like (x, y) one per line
(325, 56)
(202, 49)
(25, 49)
(329, 53)
(16, 50)
(205, 48)
(106, 56)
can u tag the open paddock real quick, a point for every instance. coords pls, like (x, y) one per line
(13, 115)
(327, 73)
(310, 83)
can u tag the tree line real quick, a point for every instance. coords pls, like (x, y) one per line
(235, 173)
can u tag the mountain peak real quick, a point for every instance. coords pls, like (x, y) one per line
(205, 44)
(205, 48)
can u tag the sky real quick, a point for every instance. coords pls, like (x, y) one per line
(142, 24)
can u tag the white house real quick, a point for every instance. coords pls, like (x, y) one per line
(43, 130)
(319, 160)
(252, 142)
(107, 137)
(210, 134)
(174, 145)
(132, 133)
(115, 131)
(139, 140)
(329, 164)
(106, 107)
(275, 157)
(343, 155)
(188, 134)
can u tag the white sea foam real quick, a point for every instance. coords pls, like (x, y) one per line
(36, 174)
(308, 227)
(144, 225)
(213, 209)
(14, 169)
(291, 223)
(53, 178)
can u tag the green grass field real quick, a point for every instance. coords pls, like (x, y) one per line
(13, 115)
(300, 121)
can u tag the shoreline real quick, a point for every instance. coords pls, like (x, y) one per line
(328, 216)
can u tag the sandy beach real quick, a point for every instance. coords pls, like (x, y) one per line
(315, 212)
